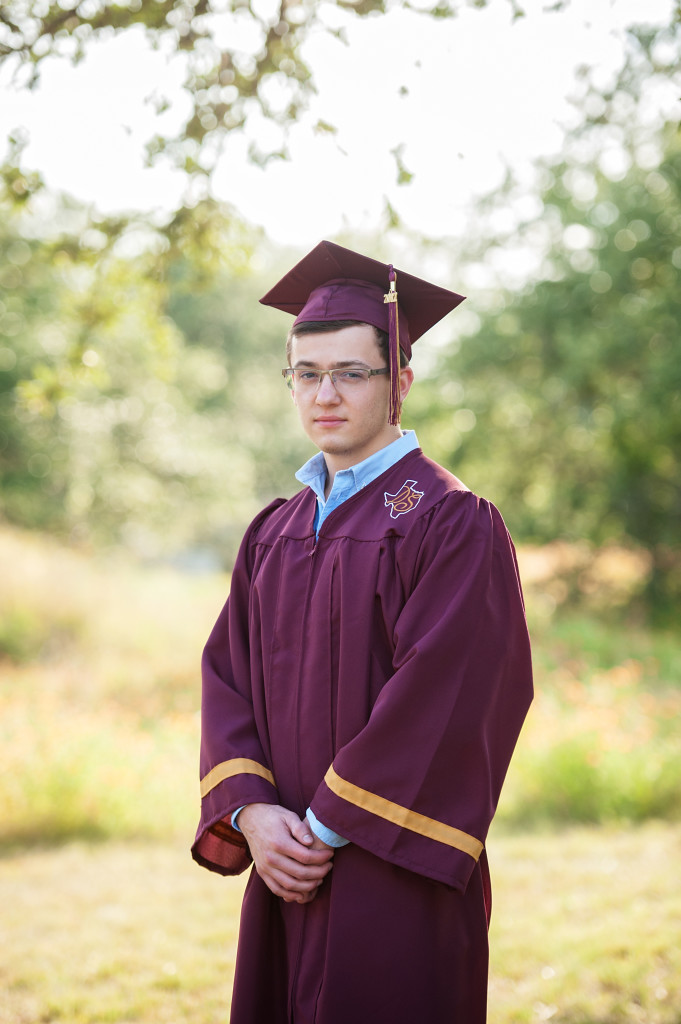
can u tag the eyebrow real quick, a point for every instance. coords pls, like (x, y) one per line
(336, 366)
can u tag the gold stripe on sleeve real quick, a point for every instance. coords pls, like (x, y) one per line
(402, 816)
(237, 766)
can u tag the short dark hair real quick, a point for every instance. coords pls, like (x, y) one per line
(325, 326)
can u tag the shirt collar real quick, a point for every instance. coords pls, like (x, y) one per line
(313, 473)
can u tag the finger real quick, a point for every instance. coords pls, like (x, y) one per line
(287, 880)
(300, 900)
(295, 896)
(290, 889)
(295, 862)
(303, 872)
(301, 831)
(292, 850)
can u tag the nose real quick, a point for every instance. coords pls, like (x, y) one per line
(326, 392)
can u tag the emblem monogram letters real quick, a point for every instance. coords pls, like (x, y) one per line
(404, 501)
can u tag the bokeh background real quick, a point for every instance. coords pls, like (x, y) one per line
(164, 162)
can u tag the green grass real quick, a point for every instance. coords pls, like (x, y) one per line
(584, 931)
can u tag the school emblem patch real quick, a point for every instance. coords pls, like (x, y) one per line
(404, 501)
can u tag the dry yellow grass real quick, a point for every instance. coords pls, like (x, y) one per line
(585, 931)
(114, 932)
(585, 927)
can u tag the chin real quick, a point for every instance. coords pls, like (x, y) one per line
(329, 448)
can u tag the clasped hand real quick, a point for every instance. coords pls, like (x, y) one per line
(291, 861)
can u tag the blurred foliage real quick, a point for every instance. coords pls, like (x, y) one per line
(569, 401)
(98, 696)
(563, 399)
(130, 405)
(242, 60)
(140, 397)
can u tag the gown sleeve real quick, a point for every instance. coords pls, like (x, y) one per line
(419, 784)
(234, 767)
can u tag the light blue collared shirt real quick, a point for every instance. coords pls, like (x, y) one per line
(345, 483)
(349, 481)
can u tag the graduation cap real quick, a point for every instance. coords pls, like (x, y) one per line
(334, 283)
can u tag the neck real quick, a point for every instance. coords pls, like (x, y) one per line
(335, 461)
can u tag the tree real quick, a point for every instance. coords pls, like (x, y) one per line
(129, 406)
(566, 397)
(28, 299)
(126, 379)
(241, 57)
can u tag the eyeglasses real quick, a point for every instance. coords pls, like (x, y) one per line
(302, 379)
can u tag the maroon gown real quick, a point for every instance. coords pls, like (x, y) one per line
(379, 674)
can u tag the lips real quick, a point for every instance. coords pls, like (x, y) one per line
(329, 421)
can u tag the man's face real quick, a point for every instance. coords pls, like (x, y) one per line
(348, 426)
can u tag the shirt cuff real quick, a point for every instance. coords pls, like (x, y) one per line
(234, 817)
(326, 835)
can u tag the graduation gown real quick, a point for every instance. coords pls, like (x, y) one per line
(379, 674)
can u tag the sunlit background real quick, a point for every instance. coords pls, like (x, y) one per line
(525, 153)
(461, 100)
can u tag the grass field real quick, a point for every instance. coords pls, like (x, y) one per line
(585, 931)
(103, 916)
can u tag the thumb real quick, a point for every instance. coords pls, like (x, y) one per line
(300, 830)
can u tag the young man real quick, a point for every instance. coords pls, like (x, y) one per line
(364, 688)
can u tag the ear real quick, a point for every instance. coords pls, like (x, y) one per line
(406, 381)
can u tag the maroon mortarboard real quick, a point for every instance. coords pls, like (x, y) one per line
(334, 283)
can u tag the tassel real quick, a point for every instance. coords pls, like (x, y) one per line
(393, 348)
